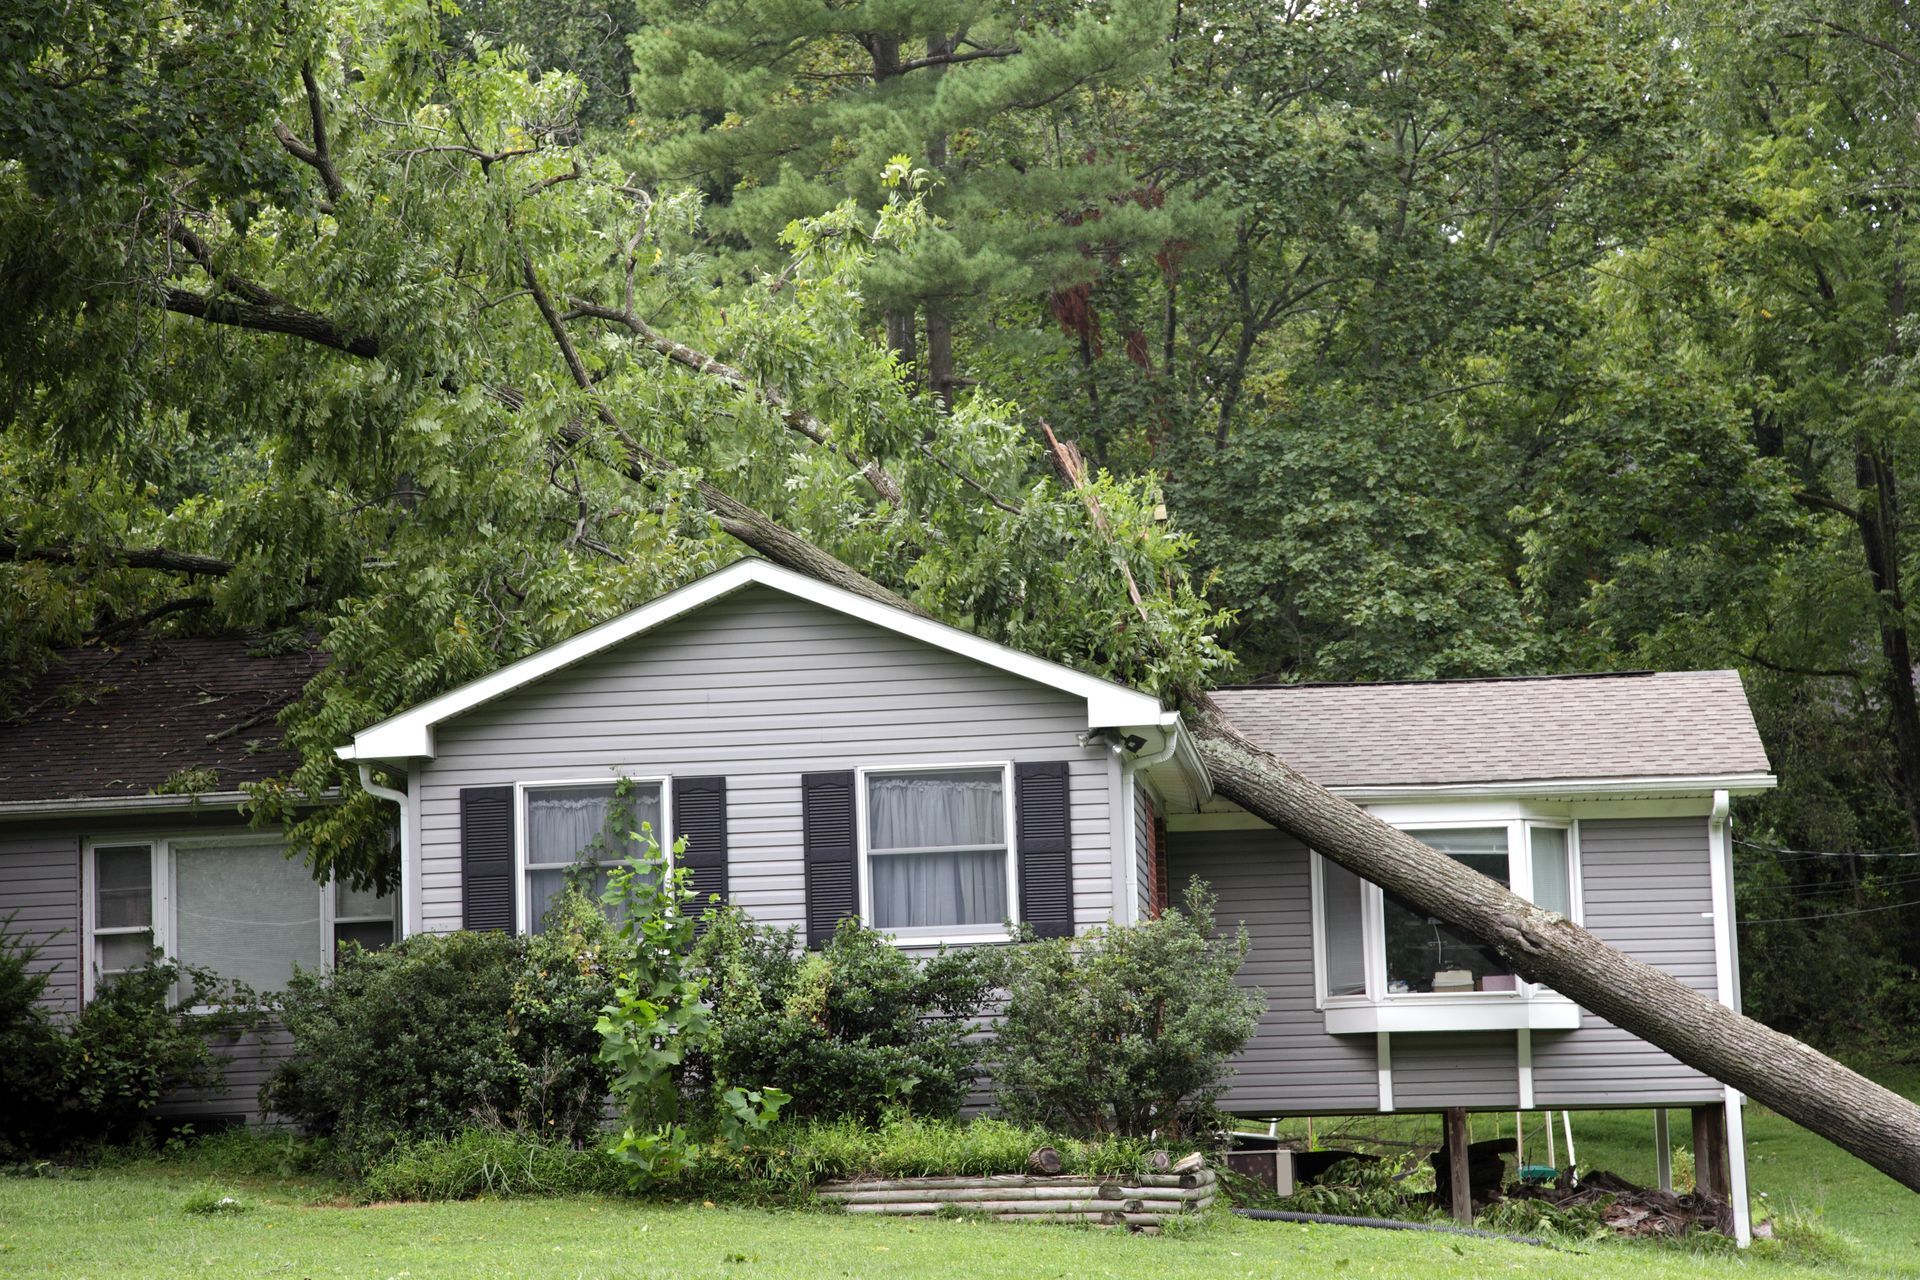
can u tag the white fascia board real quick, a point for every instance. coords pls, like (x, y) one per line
(1739, 784)
(409, 735)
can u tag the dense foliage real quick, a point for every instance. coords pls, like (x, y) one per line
(854, 1030)
(446, 1030)
(100, 1076)
(1399, 339)
(1126, 1030)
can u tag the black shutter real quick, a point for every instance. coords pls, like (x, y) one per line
(486, 858)
(700, 816)
(1045, 847)
(827, 838)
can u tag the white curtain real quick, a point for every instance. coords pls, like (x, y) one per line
(562, 825)
(1346, 948)
(1552, 885)
(959, 819)
(247, 912)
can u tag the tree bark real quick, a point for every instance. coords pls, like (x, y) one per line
(1806, 1086)
(1877, 514)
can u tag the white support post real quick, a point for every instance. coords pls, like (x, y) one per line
(1566, 1127)
(1383, 1062)
(1553, 1153)
(1737, 1168)
(1663, 1148)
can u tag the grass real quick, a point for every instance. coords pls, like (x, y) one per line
(138, 1218)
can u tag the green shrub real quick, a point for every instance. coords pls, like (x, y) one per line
(213, 1202)
(851, 1031)
(424, 1038)
(1384, 1188)
(100, 1076)
(1126, 1030)
(905, 1146)
(32, 1050)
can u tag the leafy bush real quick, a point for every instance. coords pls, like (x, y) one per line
(1126, 1030)
(850, 1031)
(100, 1076)
(1383, 1188)
(422, 1039)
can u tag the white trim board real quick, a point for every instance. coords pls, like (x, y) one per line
(409, 735)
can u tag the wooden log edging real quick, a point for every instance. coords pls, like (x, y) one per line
(1136, 1200)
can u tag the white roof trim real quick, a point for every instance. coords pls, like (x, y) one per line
(88, 806)
(1739, 784)
(409, 735)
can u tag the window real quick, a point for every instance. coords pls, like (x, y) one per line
(936, 852)
(579, 830)
(363, 916)
(239, 907)
(122, 907)
(1373, 947)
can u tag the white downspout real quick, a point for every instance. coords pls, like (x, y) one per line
(373, 788)
(1131, 769)
(1721, 870)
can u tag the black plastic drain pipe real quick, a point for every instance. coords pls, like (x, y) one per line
(1389, 1224)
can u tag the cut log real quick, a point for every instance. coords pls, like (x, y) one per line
(1190, 1163)
(1159, 1161)
(1044, 1161)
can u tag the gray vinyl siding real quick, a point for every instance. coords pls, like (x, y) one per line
(762, 688)
(246, 1060)
(1291, 1066)
(1648, 890)
(40, 890)
(1436, 1069)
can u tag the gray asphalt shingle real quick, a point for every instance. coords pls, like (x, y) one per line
(1636, 725)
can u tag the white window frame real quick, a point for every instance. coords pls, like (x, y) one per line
(1529, 1005)
(522, 898)
(161, 849)
(329, 919)
(938, 935)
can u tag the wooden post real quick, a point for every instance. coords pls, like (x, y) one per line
(1710, 1149)
(1663, 1148)
(1457, 1172)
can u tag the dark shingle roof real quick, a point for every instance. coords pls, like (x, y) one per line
(104, 723)
(1641, 725)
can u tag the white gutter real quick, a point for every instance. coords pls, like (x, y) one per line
(1569, 788)
(86, 806)
(373, 788)
(90, 806)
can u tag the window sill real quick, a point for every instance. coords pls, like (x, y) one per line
(1477, 1011)
(937, 939)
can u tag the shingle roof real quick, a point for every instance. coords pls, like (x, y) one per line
(1639, 725)
(118, 722)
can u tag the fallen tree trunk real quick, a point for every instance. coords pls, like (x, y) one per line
(1806, 1086)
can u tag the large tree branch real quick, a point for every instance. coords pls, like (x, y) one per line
(131, 557)
(282, 318)
(319, 155)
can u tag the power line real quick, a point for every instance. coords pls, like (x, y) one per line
(1831, 915)
(1780, 852)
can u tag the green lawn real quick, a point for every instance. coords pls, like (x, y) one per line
(132, 1222)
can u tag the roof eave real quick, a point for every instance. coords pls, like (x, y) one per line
(1654, 786)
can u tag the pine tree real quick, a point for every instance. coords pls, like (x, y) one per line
(783, 110)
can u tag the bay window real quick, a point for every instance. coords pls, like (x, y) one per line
(935, 852)
(579, 832)
(1373, 949)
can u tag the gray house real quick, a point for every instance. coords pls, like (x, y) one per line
(825, 757)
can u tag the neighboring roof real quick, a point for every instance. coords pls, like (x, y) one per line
(1642, 725)
(119, 722)
(409, 735)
